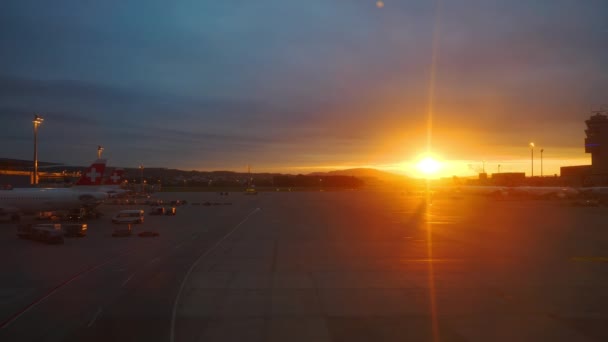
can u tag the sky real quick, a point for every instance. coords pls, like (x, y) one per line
(300, 86)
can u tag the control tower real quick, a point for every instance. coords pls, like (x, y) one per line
(596, 141)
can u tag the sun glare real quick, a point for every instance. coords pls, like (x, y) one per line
(428, 166)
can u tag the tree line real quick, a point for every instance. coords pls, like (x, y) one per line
(316, 181)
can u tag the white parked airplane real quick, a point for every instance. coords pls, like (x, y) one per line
(18, 201)
(93, 175)
(110, 185)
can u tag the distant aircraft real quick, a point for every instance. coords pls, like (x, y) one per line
(599, 192)
(541, 192)
(560, 192)
(494, 191)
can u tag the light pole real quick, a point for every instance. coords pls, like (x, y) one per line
(37, 121)
(532, 159)
(141, 177)
(498, 168)
(99, 151)
(541, 162)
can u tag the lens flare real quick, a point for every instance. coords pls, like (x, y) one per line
(428, 166)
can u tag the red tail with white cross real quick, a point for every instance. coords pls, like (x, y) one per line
(93, 174)
(115, 178)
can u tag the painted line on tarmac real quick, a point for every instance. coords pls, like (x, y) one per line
(126, 281)
(10, 320)
(157, 259)
(433, 260)
(94, 317)
(201, 257)
(440, 222)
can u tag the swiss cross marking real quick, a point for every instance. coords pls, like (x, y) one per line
(115, 177)
(92, 175)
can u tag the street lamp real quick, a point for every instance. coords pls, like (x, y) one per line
(541, 162)
(532, 159)
(141, 177)
(99, 151)
(37, 121)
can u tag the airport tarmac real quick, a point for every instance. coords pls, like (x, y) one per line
(318, 266)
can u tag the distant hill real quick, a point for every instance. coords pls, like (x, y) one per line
(365, 174)
(21, 164)
(168, 176)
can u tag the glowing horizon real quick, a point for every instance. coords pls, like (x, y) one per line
(449, 168)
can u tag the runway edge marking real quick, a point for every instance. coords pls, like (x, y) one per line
(97, 313)
(201, 257)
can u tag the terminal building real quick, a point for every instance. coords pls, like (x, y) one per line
(596, 143)
(509, 178)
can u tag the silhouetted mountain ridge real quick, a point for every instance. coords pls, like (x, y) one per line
(364, 173)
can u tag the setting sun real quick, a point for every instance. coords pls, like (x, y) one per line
(428, 166)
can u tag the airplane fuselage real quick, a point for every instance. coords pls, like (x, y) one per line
(36, 200)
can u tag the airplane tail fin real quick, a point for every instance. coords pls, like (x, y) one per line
(116, 177)
(93, 174)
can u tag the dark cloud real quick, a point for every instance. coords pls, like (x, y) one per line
(186, 81)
